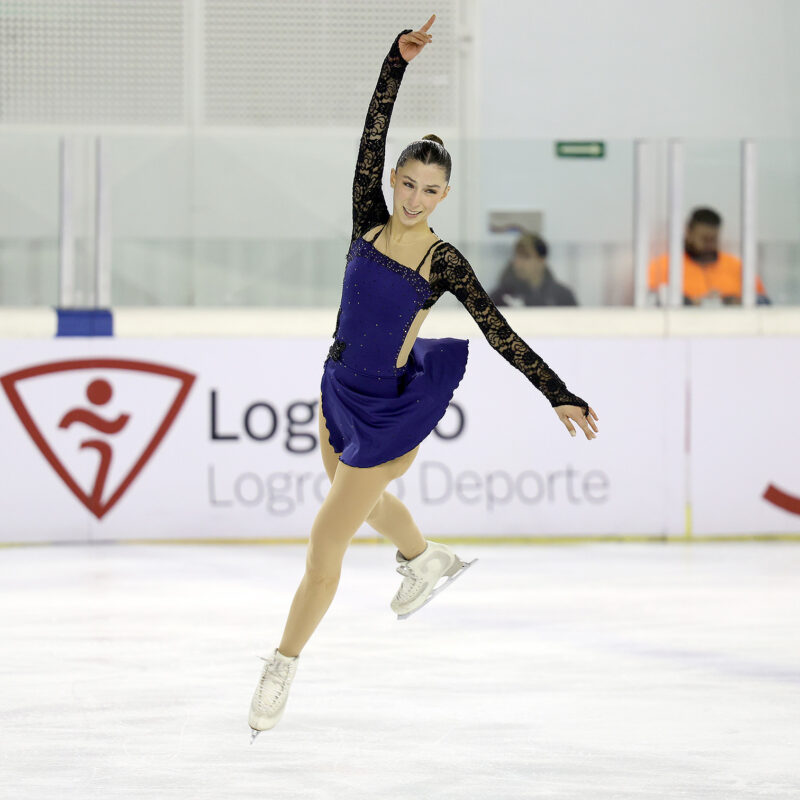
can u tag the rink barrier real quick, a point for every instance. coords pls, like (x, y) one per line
(231, 395)
(165, 322)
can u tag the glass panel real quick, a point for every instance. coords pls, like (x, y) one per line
(29, 219)
(713, 179)
(264, 220)
(779, 219)
(221, 221)
(585, 208)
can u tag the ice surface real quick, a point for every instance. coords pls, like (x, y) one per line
(597, 671)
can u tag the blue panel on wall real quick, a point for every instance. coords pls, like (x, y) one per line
(85, 322)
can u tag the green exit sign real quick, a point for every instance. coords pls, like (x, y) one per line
(581, 149)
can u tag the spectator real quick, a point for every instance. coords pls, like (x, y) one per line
(709, 277)
(527, 279)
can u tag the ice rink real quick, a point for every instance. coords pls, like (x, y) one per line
(587, 671)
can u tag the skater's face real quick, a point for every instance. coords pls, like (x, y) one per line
(418, 189)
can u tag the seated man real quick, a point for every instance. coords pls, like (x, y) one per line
(709, 277)
(527, 279)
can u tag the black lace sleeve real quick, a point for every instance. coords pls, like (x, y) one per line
(369, 207)
(450, 271)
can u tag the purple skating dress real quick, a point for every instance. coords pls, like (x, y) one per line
(374, 410)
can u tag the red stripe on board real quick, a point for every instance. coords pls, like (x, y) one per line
(788, 502)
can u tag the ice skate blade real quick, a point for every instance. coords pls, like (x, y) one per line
(253, 734)
(465, 565)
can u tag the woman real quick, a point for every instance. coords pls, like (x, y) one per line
(527, 279)
(383, 390)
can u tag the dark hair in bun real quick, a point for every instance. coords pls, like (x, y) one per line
(427, 150)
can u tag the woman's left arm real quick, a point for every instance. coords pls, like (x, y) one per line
(455, 274)
(369, 206)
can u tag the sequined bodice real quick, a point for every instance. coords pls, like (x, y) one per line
(380, 299)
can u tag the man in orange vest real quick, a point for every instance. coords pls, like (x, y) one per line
(709, 277)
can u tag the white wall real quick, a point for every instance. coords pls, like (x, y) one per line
(639, 68)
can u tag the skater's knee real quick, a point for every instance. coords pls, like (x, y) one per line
(322, 576)
(323, 566)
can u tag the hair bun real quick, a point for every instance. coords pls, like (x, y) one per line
(434, 138)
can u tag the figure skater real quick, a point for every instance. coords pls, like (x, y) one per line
(383, 390)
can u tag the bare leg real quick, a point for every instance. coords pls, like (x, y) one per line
(394, 521)
(389, 517)
(352, 496)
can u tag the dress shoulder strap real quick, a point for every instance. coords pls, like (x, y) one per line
(377, 234)
(426, 255)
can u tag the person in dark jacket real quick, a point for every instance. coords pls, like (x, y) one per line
(527, 279)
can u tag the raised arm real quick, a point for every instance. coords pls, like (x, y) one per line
(369, 207)
(455, 274)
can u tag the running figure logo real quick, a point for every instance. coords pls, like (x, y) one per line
(123, 438)
(99, 392)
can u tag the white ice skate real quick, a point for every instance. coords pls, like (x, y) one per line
(422, 573)
(269, 698)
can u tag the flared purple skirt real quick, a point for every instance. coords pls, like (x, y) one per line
(373, 420)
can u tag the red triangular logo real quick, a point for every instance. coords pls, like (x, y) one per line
(67, 409)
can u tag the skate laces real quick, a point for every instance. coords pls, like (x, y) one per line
(409, 583)
(269, 692)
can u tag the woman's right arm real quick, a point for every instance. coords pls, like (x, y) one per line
(369, 206)
(453, 273)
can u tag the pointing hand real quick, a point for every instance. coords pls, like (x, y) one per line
(411, 44)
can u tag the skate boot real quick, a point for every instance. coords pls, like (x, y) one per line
(269, 698)
(422, 573)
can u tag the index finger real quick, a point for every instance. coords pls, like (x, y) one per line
(428, 23)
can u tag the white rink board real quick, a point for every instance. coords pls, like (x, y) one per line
(511, 470)
(745, 435)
